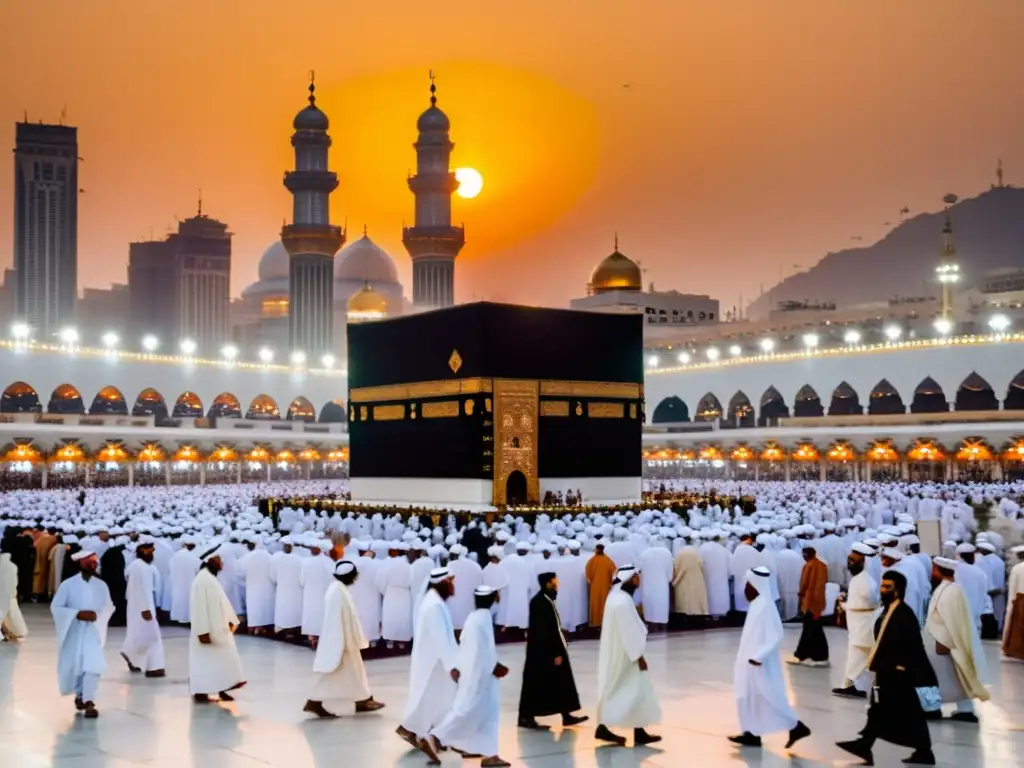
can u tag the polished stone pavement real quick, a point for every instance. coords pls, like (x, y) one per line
(154, 723)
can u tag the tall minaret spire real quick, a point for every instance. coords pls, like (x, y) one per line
(999, 174)
(311, 239)
(948, 271)
(432, 241)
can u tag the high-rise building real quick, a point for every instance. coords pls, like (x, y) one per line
(310, 239)
(45, 225)
(180, 287)
(433, 243)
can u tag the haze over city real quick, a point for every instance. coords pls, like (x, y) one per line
(723, 142)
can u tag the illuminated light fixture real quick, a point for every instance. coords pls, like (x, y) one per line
(713, 353)
(298, 357)
(150, 342)
(811, 340)
(893, 332)
(735, 350)
(652, 361)
(327, 361)
(948, 273)
(943, 326)
(684, 358)
(188, 347)
(999, 323)
(229, 352)
(68, 336)
(852, 336)
(767, 345)
(266, 355)
(20, 331)
(110, 339)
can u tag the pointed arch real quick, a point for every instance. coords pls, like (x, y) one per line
(845, 401)
(188, 406)
(884, 400)
(708, 409)
(225, 406)
(263, 407)
(807, 402)
(1015, 394)
(150, 403)
(929, 398)
(67, 400)
(333, 412)
(19, 397)
(109, 402)
(671, 410)
(741, 413)
(773, 407)
(975, 394)
(301, 409)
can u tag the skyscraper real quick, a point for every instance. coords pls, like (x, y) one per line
(179, 288)
(310, 239)
(433, 243)
(45, 225)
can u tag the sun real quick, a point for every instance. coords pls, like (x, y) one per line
(470, 182)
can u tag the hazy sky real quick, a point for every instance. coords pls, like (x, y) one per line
(754, 134)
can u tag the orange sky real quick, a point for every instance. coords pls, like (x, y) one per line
(755, 133)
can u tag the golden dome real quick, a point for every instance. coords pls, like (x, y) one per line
(367, 303)
(616, 273)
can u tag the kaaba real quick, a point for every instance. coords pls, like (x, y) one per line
(490, 405)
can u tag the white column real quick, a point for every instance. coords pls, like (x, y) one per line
(131, 474)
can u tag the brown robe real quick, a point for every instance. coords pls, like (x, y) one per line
(600, 574)
(812, 587)
(1013, 634)
(41, 575)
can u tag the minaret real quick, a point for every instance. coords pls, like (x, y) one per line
(948, 271)
(432, 242)
(311, 240)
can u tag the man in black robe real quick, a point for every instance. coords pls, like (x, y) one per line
(23, 555)
(900, 666)
(112, 572)
(548, 684)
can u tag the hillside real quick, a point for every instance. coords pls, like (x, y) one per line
(988, 232)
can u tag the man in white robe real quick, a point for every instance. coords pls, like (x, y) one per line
(316, 576)
(974, 581)
(420, 567)
(626, 697)
(861, 606)
(364, 591)
(468, 576)
(571, 602)
(214, 666)
(12, 624)
(81, 611)
(395, 585)
(143, 647)
(433, 670)
(715, 559)
(953, 643)
(286, 573)
(182, 569)
(493, 575)
(656, 566)
(995, 567)
(256, 568)
(744, 558)
(338, 664)
(471, 726)
(520, 577)
(761, 698)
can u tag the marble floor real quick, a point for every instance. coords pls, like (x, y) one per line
(153, 722)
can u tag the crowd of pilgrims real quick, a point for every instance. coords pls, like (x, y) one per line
(343, 579)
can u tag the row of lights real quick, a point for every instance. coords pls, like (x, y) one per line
(69, 337)
(852, 337)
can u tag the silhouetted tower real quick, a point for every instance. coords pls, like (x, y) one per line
(310, 239)
(432, 242)
(948, 271)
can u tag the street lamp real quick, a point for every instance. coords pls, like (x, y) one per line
(893, 332)
(684, 358)
(20, 331)
(188, 347)
(767, 345)
(811, 340)
(327, 361)
(150, 342)
(298, 357)
(110, 339)
(229, 352)
(943, 326)
(999, 323)
(735, 350)
(852, 336)
(713, 353)
(68, 336)
(266, 355)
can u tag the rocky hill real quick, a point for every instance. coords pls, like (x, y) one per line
(988, 231)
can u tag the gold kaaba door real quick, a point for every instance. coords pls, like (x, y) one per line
(515, 440)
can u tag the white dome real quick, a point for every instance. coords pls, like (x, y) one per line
(274, 262)
(364, 262)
